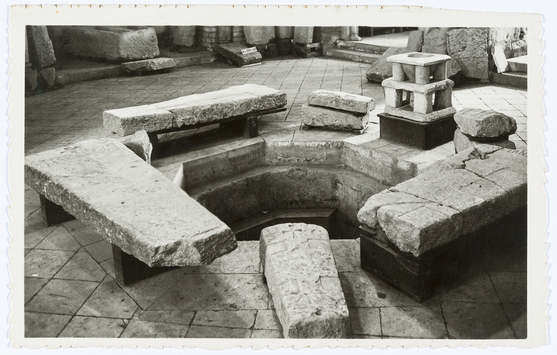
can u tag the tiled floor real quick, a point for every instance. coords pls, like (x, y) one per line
(69, 285)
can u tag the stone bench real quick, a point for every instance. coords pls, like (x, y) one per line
(244, 102)
(423, 227)
(300, 271)
(149, 221)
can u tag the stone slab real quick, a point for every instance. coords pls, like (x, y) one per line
(194, 109)
(406, 112)
(468, 46)
(114, 44)
(485, 123)
(129, 203)
(256, 35)
(462, 194)
(341, 101)
(421, 88)
(324, 117)
(233, 52)
(149, 65)
(126, 121)
(299, 266)
(183, 36)
(217, 105)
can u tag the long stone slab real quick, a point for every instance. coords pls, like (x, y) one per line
(129, 203)
(116, 44)
(194, 109)
(314, 116)
(233, 52)
(303, 281)
(341, 101)
(454, 198)
(149, 65)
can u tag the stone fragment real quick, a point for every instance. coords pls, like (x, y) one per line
(116, 44)
(217, 105)
(31, 76)
(233, 52)
(415, 41)
(149, 65)
(468, 46)
(462, 142)
(303, 34)
(224, 34)
(129, 203)
(48, 76)
(499, 58)
(381, 69)
(140, 144)
(256, 35)
(283, 32)
(484, 123)
(435, 40)
(183, 36)
(126, 121)
(324, 117)
(342, 101)
(41, 51)
(298, 264)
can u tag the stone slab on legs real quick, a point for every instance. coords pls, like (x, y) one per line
(314, 116)
(129, 203)
(303, 281)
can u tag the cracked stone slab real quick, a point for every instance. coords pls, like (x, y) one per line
(325, 117)
(149, 65)
(303, 281)
(129, 203)
(341, 101)
(484, 123)
(462, 194)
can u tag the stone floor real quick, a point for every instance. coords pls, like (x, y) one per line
(69, 285)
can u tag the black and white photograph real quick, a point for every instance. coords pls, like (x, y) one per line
(362, 182)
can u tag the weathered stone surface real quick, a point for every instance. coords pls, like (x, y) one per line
(148, 65)
(183, 36)
(484, 123)
(233, 52)
(221, 104)
(140, 144)
(303, 281)
(303, 34)
(468, 46)
(463, 142)
(421, 88)
(126, 121)
(193, 109)
(415, 41)
(111, 43)
(131, 204)
(435, 40)
(224, 34)
(48, 76)
(283, 32)
(342, 101)
(330, 118)
(41, 51)
(381, 69)
(460, 195)
(256, 35)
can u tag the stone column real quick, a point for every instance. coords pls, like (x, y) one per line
(345, 33)
(207, 36)
(224, 34)
(354, 34)
(183, 36)
(303, 35)
(238, 34)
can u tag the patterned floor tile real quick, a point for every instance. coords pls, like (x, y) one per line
(61, 296)
(44, 325)
(93, 327)
(109, 300)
